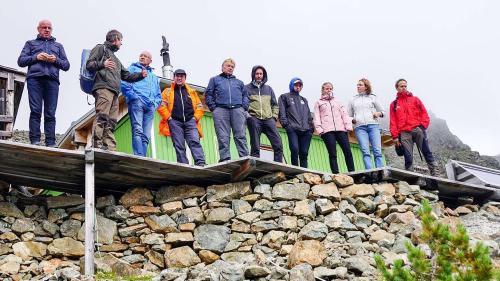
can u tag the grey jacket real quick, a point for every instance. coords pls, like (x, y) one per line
(361, 108)
(106, 78)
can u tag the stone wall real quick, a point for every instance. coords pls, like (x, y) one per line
(270, 229)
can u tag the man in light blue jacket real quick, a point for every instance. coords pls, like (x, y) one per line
(143, 98)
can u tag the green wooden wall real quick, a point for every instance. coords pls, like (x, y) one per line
(318, 155)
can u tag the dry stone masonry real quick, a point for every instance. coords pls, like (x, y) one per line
(307, 228)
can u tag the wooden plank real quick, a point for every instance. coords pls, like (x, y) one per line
(89, 212)
(6, 134)
(6, 118)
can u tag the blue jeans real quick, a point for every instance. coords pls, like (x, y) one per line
(299, 142)
(182, 132)
(367, 134)
(141, 119)
(225, 120)
(43, 92)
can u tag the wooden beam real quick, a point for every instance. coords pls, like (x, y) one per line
(5, 134)
(6, 118)
(243, 170)
(89, 212)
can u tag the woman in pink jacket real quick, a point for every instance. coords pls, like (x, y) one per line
(332, 122)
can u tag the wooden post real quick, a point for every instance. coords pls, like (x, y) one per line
(89, 212)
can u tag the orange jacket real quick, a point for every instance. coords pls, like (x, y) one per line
(165, 109)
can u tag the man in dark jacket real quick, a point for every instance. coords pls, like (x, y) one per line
(107, 81)
(408, 123)
(263, 112)
(295, 117)
(227, 98)
(44, 57)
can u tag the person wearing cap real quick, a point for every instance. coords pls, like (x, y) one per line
(181, 111)
(44, 57)
(295, 116)
(143, 98)
(263, 110)
(107, 85)
(227, 98)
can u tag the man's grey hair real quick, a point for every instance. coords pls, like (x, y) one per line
(113, 34)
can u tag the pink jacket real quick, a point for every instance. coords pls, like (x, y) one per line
(330, 115)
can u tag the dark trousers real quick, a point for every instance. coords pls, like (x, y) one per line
(42, 92)
(183, 132)
(299, 142)
(417, 136)
(331, 139)
(267, 126)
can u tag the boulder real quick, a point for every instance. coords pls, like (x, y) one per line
(211, 237)
(287, 191)
(28, 250)
(161, 224)
(178, 193)
(136, 196)
(328, 190)
(314, 230)
(302, 272)
(181, 257)
(8, 209)
(342, 180)
(219, 215)
(67, 247)
(357, 190)
(228, 192)
(312, 252)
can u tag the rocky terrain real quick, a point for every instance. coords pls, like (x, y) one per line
(303, 228)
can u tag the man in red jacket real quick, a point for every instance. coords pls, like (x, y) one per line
(409, 120)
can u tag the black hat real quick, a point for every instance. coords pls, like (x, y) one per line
(179, 71)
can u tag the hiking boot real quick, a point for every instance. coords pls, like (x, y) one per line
(433, 169)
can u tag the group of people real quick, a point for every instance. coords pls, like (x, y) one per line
(234, 106)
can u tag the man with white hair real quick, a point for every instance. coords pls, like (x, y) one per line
(143, 98)
(44, 57)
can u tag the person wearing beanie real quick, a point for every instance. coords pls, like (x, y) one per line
(263, 110)
(109, 73)
(295, 116)
(181, 111)
(227, 98)
(143, 98)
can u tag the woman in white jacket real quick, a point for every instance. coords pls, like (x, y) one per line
(332, 123)
(365, 111)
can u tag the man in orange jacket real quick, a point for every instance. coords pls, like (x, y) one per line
(181, 111)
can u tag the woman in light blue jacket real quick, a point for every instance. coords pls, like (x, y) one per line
(365, 111)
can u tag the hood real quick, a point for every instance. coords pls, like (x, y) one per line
(254, 69)
(139, 65)
(326, 97)
(290, 86)
(111, 47)
(404, 94)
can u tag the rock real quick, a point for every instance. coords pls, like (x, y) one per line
(208, 257)
(263, 205)
(144, 210)
(57, 214)
(27, 250)
(310, 178)
(337, 220)
(10, 267)
(5, 249)
(249, 217)
(342, 180)
(8, 209)
(49, 227)
(405, 189)
(399, 246)
(240, 207)
(152, 239)
(404, 218)
(361, 220)
(328, 190)
(23, 225)
(274, 239)
(155, 258)
(69, 273)
(238, 257)
(264, 190)
(387, 189)
(346, 207)
(136, 258)
(287, 222)
(219, 215)
(286, 191)
(181, 257)
(365, 205)
(382, 211)
(270, 179)
(115, 247)
(324, 206)
(106, 230)
(302, 272)
(308, 251)
(325, 273)
(358, 265)
(58, 202)
(240, 226)
(70, 228)
(382, 235)
(431, 196)
(116, 212)
(109, 263)
(263, 226)
(251, 197)
(385, 199)
(305, 208)
(171, 207)
(189, 215)
(131, 230)
(255, 271)
(67, 247)
(228, 192)
(462, 211)
(178, 193)
(105, 201)
(313, 230)
(163, 224)
(9, 236)
(179, 238)
(136, 196)
(232, 272)
(211, 237)
(357, 190)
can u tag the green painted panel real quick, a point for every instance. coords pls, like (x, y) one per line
(318, 155)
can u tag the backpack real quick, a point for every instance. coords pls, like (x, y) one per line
(87, 77)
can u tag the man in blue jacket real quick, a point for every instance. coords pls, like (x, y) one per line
(143, 98)
(44, 57)
(228, 100)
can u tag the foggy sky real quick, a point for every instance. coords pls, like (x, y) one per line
(447, 50)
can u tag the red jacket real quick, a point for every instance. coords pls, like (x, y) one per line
(409, 113)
